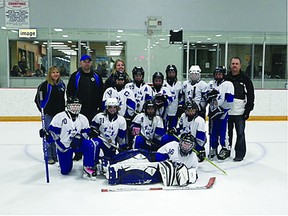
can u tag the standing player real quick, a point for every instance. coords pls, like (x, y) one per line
(124, 96)
(69, 130)
(220, 96)
(175, 86)
(195, 88)
(142, 91)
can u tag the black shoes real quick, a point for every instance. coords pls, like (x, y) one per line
(237, 159)
(223, 154)
(77, 156)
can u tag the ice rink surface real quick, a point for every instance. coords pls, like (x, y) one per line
(255, 186)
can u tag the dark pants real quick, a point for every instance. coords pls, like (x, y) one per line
(240, 146)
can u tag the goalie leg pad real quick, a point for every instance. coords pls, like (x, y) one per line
(182, 175)
(167, 172)
(133, 173)
(193, 176)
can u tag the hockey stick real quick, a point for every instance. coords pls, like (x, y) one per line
(203, 187)
(44, 137)
(105, 141)
(205, 158)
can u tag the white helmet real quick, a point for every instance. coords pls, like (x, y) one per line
(195, 73)
(111, 102)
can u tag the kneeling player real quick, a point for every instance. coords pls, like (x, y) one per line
(69, 131)
(182, 170)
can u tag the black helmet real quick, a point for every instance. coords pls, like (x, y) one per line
(119, 75)
(186, 144)
(158, 75)
(73, 105)
(171, 68)
(147, 104)
(191, 105)
(138, 70)
(219, 69)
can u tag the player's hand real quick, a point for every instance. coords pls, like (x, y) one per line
(76, 141)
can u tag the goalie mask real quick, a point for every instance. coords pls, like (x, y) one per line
(73, 105)
(219, 74)
(112, 107)
(150, 108)
(195, 74)
(191, 109)
(186, 144)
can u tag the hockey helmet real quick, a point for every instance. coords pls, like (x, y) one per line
(73, 105)
(150, 104)
(191, 109)
(120, 75)
(109, 104)
(186, 144)
(219, 73)
(195, 74)
(158, 75)
(138, 71)
(171, 68)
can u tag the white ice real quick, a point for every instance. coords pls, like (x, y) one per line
(257, 185)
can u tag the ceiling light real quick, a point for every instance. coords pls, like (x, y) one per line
(58, 30)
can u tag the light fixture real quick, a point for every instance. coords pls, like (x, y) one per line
(58, 30)
(113, 50)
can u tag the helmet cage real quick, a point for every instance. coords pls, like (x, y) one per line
(74, 108)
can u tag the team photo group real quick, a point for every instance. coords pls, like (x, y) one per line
(133, 132)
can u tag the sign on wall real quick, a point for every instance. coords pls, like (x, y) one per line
(27, 33)
(17, 14)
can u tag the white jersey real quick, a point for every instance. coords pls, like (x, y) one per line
(172, 149)
(148, 127)
(63, 129)
(195, 92)
(176, 89)
(225, 97)
(170, 97)
(142, 94)
(125, 98)
(112, 131)
(196, 127)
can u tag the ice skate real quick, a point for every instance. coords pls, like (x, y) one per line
(89, 173)
(223, 154)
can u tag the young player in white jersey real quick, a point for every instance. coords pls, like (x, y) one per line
(148, 128)
(184, 161)
(195, 89)
(69, 129)
(191, 122)
(124, 96)
(141, 90)
(220, 96)
(161, 95)
(108, 130)
(175, 86)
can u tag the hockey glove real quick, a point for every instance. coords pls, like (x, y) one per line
(180, 110)
(94, 132)
(135, 131)
(201, 155)
(216, 113)
(44, 132)
(211, 95)
(172, 131)
(246, 115)
(76, 141)
(160, 100)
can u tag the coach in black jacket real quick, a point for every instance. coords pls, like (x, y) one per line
(242, 106)
(86, 85)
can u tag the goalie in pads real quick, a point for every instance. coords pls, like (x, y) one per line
(181, 169)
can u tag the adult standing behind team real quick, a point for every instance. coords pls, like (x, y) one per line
(53, 92)
(242, 106)
(86, 85)
(119, 65)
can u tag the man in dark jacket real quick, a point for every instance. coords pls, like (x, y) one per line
(86, 85)
(242, 106)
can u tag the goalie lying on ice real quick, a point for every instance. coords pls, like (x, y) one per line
(174, 164)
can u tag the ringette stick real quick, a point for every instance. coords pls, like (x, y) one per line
(44, 137)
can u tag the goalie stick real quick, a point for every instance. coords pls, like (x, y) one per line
(203, 187)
